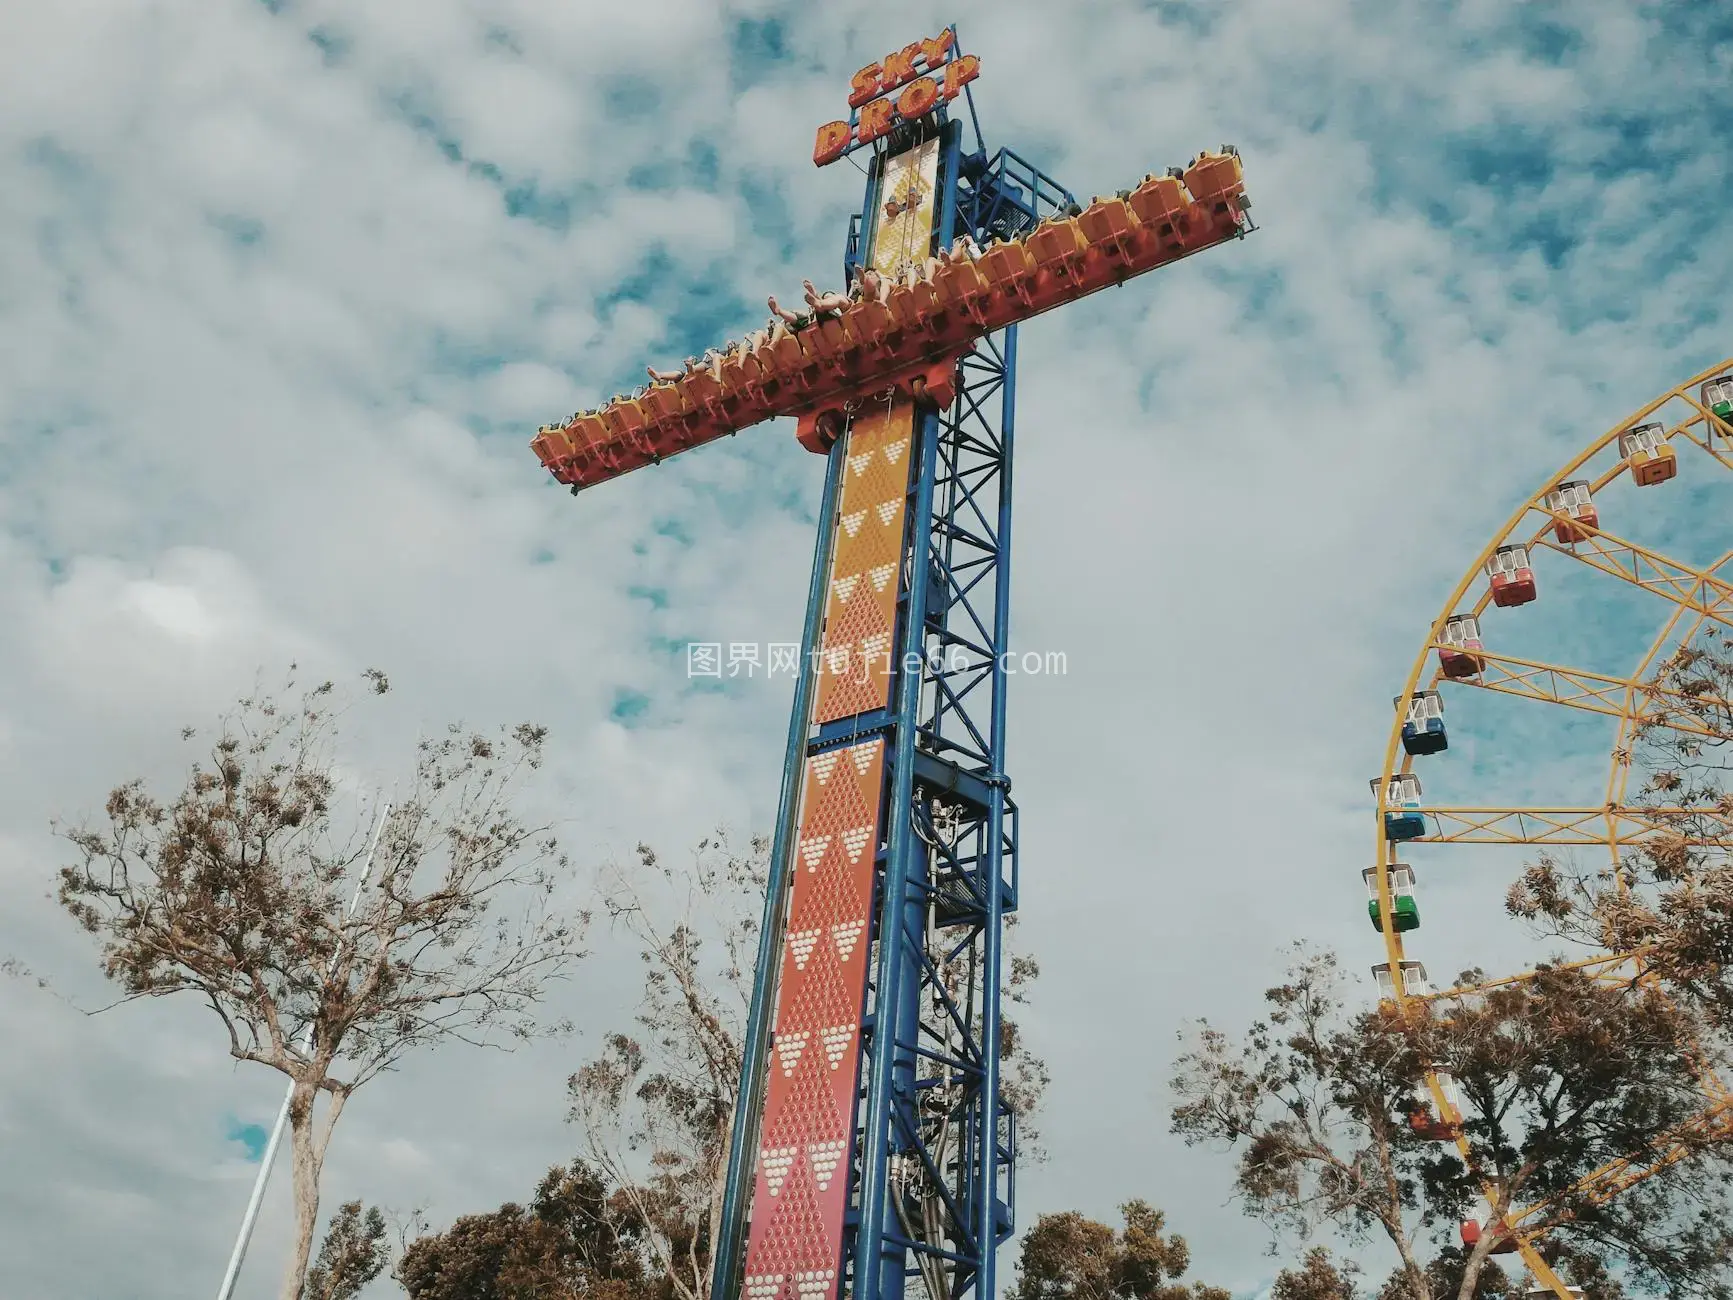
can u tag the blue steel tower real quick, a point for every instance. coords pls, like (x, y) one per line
(933, 1148)
(872, 1145)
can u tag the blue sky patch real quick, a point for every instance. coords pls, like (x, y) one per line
(332, 45)
(243, 232)
(250, 1137)
(755, 48)
(675, 529)
(632, 98)
(420, 118)
(629, 706)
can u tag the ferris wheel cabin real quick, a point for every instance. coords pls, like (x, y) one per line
(1717, 399)
(1425, 1119)
(1511, 575)
(1403, 819)
(1649, 454)
(1579, 518)
(1481, 1221)
(1458, 640)
(1423, 724)
(1414, 981)
(1404, 907)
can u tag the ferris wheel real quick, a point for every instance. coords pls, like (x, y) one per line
(1574, 529)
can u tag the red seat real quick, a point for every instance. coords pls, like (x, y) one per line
(738, 372)
(1213, 177)
(552, 445)
(867, 324)
(1057, 243)
(664, 402)
(703, 391)
(1108, 222)
(824, 339)
(1008, 268)
(1161, 204)
(586, 432)
(912, 305)
(961, 287)
(623, 417)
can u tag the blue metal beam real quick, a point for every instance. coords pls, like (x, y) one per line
(730, 1245)
(932, 1183)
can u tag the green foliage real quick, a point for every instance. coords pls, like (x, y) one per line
(1561, 1074)
(577, 1240)
(354, 1252)
(1069, 1257)
(1319, 1277)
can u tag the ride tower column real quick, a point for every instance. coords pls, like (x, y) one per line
(871, 1143)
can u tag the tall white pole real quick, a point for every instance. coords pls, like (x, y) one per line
(252, 1215)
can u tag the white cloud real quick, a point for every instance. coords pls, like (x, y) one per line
(1244, 486)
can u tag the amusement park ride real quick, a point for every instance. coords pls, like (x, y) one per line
(871, 1145)
(1564, 520)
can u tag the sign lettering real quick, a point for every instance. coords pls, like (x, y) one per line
(927, 73)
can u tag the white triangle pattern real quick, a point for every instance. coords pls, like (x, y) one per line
(813, 849)
(854, 840)
(859, 463)
(863, 758)
(824, 764)
(894, 451)
(844, 587)
(763, 1286)
(776, 1162)
(836, 659)
(851, 523)
(836, 1040)
(788, 1047)
(825, 1157)
(881, 575)
(873, 646)
(813, 1282)
(846, 936)
(801, 943)
(885, 509)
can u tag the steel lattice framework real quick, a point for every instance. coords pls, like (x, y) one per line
(1694, 597)
(933, 1146)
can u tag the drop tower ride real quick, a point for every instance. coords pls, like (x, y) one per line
(871, 1146)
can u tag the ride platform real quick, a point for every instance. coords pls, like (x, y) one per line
(909, 344)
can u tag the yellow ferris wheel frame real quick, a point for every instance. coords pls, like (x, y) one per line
(1699, 596)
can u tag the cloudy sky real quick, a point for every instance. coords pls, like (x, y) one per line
(286, 287)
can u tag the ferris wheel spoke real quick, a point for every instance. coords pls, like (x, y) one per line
(1694, 588)
(1574, 826)
(1576, 688)
(1706, 427)
(1604, 967)
(1702, 440)
(1713, 1124)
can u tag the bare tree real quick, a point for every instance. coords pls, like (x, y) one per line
(1560, 1074)
(656, 1110)
(656, 1107)
(236, 891)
